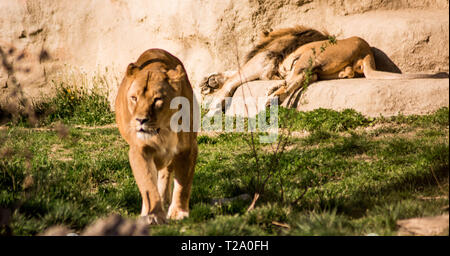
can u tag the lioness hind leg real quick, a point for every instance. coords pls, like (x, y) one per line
(183, 168)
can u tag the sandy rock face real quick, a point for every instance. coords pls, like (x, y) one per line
(103, 36)
(114, 225)
(378, 97)
(426, 226)
(369, 97)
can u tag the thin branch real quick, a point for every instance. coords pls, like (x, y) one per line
(301, 196)
(252, 205)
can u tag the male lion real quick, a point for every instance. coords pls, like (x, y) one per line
(295, 55)
(261, 63)
(143, 116)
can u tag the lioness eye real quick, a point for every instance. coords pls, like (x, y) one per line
(133, 98)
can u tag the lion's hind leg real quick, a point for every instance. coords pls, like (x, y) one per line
(274, 88)
(290, 88)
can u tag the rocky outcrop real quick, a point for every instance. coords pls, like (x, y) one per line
(426, 226)
(369, 97)
(114, 225)
(100, 38)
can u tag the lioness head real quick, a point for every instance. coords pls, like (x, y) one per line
(148, 99)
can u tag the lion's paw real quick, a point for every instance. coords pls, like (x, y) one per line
(211, 83)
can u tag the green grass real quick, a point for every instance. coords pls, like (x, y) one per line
(72, 105)
(324, 119)
(351, 175)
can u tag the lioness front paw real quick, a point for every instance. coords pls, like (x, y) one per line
(177, 214)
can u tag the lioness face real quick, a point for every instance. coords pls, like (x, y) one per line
(148, 103)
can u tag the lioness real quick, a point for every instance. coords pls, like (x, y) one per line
(296, 54)
(143, 116)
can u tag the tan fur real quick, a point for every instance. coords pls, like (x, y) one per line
(346, 58)
(262, 62)
(156, 152)
(275, 58)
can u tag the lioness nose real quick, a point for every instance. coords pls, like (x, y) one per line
(142, 120)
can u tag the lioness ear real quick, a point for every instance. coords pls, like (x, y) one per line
(131, 69)
(175, 76)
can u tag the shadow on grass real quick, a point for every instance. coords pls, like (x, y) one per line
(335, 179)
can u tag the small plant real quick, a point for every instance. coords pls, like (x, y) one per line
(77, 105)
(309, 72)
(325, 119)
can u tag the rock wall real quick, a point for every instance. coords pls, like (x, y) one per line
(101, 37)
(371, 98)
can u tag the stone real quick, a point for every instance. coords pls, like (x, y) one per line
(208, 36)
(57, 230)
(250, 98)
(427, 226)
(115, 225)
(372, 98)
(378, 97)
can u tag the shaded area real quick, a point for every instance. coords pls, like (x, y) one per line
(354, 180)
(383, 62)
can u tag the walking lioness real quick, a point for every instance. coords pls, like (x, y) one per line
(157, 153)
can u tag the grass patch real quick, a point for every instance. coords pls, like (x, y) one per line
(339, 180)
(325, 119)
(440, 117)
(75, 105)
(77, 100)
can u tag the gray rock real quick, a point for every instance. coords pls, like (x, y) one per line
(115, 225)
(427, 226)
(370, 97)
